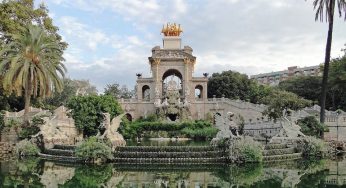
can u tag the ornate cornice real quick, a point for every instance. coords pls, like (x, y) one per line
(170, 54)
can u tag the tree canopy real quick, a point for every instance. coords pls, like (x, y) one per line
(31, 65)
(231, 84)
(15, 15)
(117, 92)
(310, 87)
(87, 111)
(279, 101)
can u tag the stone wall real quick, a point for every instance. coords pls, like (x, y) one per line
(9, 135)
(57, 129)
(258, 129)
(6, 149)
(199, 109)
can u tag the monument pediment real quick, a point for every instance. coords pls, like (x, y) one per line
(171, 54)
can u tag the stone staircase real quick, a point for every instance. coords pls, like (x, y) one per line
(168, 154)
(61, 153)
(280, 152)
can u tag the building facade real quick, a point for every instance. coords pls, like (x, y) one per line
(274, 78)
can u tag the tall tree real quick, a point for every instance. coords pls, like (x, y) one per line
(325, 10)
(31, 65)
(15, 15)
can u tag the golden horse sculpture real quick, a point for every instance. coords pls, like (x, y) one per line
(171, 29)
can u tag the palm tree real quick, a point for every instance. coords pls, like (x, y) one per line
(325, 10)
(31, 65)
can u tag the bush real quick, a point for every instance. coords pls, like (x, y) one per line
(311, 126)
(194, 129)
(87, 111)
(26, 148)
(31, 129)
(206, 132)
(92, 149)
(314, 148)
(12, 123)
(244, 150)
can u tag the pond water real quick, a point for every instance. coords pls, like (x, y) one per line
(38, 173)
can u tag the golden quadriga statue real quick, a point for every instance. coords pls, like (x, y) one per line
(171, 29)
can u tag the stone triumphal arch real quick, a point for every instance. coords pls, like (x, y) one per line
(172, 91)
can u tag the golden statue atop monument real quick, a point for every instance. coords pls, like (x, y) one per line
(171, 29)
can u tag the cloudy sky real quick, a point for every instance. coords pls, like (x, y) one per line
(110, 40)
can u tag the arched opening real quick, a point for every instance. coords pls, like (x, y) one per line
(199, 92)
(172, 78)
(146, 93)
(128, 116)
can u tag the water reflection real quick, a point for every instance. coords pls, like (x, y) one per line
(36, 173)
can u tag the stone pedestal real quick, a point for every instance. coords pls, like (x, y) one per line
(171, 42)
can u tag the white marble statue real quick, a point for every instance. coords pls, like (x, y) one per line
(224, 124)
(111, 133)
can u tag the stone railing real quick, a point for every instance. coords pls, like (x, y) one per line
(239, 104)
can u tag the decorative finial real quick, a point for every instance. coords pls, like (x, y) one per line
(171, 29)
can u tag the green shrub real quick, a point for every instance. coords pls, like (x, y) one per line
(26, 148)
(314, 147)
(244, 149)
(13, 123)
(194, 129)
(311, 126)
(31, 129)
(92, 149)
(89, 176)
(205, 132)
(87, 111)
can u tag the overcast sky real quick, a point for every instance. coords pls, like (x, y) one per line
(110, 40)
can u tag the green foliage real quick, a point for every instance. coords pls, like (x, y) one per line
(12, 123)
(16, 15)
(308, 87)
(26, 148)
(206, 132)
(71, 89)
(117, 92)
(314, 148)
(241, 124)
(279, 101)
(32, 128)
(244, 150)
(196, 129)
(31, 65)
(26, 173)
(9, 102)
(231, 84)
(92, 149)
(89, 176)
(311, 126)
(87, 111)
(245, 175)
(258, 92)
